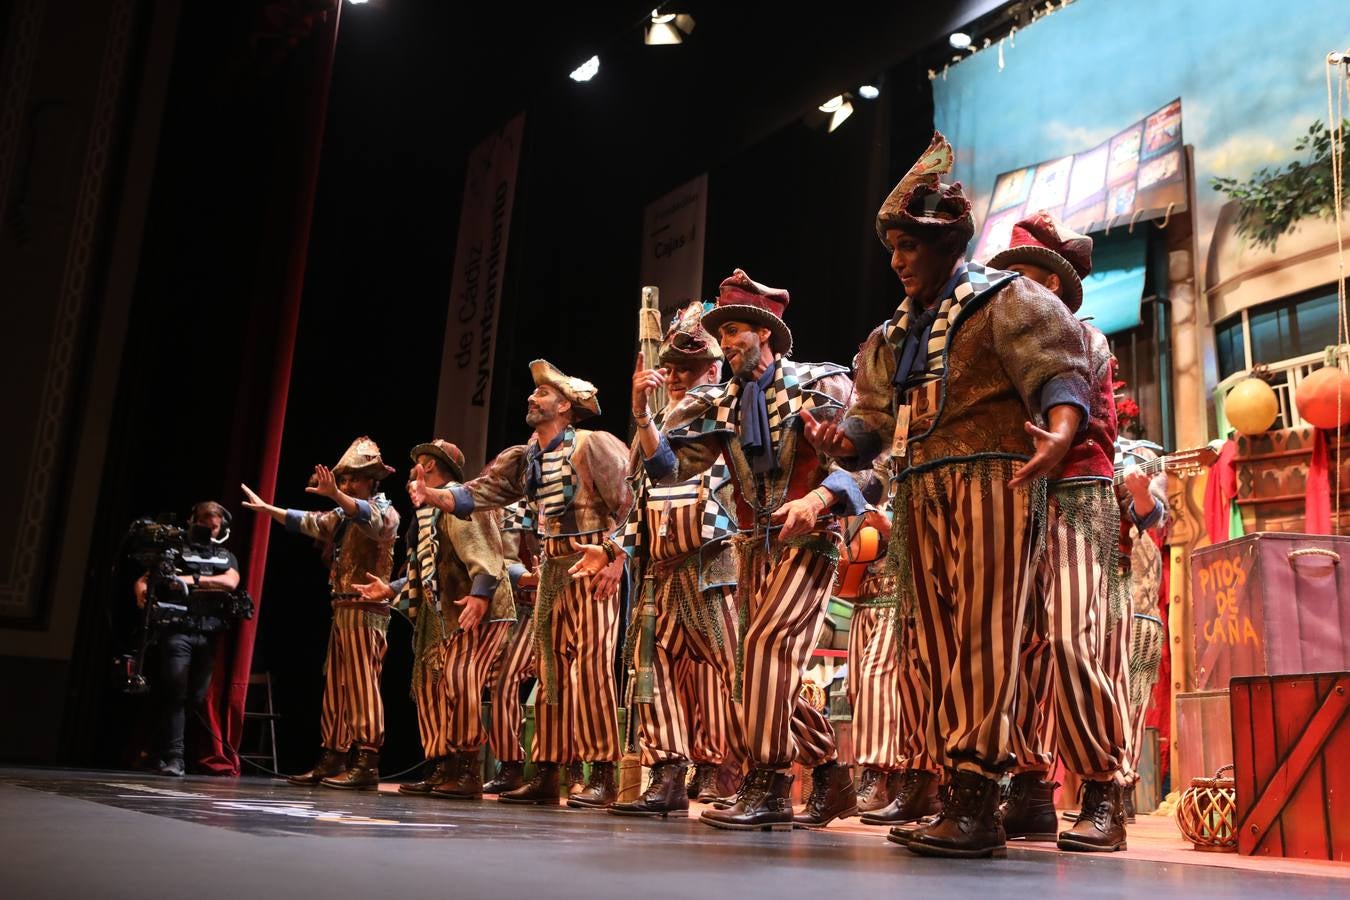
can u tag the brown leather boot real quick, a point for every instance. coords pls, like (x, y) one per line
(665, 794)
(1029, 811)
(877, 788)
(541, 790)
(510, 775)
(362, 775)
(465, 783)
(763, 803)
(1129, 806)
(703, 786)
(915, 798)
(1101, 820)
(441, 769)
(968, 826)
(331, 762)
(576, 778)
(833, 796)
(600, 791)
(903, 834)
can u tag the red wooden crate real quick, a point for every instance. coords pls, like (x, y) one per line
(1291, 742)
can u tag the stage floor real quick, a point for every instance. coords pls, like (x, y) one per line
(112, 834)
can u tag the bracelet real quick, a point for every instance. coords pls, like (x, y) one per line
(610, 552)
(824, 503)
(639, 416)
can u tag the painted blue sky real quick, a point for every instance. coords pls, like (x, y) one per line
(1250, 74)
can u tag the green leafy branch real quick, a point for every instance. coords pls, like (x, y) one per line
(1272, 201)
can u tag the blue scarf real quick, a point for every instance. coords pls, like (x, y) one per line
(534, 456)
(754, 430)
(914, 351)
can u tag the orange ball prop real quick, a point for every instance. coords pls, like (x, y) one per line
(1251, 406)
(1316, 398)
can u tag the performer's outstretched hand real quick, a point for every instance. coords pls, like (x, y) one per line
(798, 516)
(827, 437)
(325, 485)
(417, 486)
(593, 561)
(471, 610)
(375, 589)
(257, 504)
(1051, 445)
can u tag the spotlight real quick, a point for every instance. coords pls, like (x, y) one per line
(665, 29)
(869, 92)
(358, 2)
(959, 40)
(586, 71)
(839, 109)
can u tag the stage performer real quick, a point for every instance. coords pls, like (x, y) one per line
(458, 594)
(575, 480)
(361, 529)
(951, 384)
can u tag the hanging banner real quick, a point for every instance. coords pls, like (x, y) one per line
(672, 244)
(464, 394)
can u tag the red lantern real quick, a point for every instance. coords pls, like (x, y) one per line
(1316, 398)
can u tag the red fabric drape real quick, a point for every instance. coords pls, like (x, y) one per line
(1317, 500)
(234, 658)
(1219, 493)
(1159, 713)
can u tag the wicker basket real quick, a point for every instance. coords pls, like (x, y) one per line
(1207, 813)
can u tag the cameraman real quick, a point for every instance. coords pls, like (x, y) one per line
(187, 649)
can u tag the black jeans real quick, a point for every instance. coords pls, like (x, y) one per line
(185, 662)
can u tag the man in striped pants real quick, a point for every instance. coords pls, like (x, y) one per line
(459, 596)
(786, 551)
(678, 535)
(1067, 699)
(706, 698)
(516, 660)
(361, 529)
(575, 480)
(950, 384)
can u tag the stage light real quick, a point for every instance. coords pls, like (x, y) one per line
(586, 71)
(959, 40)
(665, 29)
(839, 109)
(358, 2)
(834, 104)
(869, 92)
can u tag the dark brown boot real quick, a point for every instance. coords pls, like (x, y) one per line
(510, 775)
(441, 769)
(600, 791)
(363, 775)
(665, 794)
(968, 826)
(703, 786)
(541, 790)
(877, 788)
(576, 778)
(1101, 820)
(916, 797)
(1129, 806)
(763, 803)
(833, 796)
(466, 783)
(1029, 811)
(331, 762)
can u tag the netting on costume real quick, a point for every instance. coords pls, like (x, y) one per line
(554, 580)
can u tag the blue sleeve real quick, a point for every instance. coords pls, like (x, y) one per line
(1067, 390)
(514, 571)
(398, 584)
(662, 462)
(362, 512)
(464, 504)
(866, 443)
(293, 517)
(848, 499)
(483, 586)
(1148, 521)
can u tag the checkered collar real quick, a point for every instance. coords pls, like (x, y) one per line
(970, 282)
(786, 397)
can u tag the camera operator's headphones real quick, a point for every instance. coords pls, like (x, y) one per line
(212, 506)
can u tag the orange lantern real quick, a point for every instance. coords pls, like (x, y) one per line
(1316, 398)
(1207, 813)
(1251, 406)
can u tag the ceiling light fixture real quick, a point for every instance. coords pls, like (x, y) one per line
(665, 29)
(869, 92)
(587, 70)
(959, 40)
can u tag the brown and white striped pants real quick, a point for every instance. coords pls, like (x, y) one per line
(705, 695)
(788, 597)
(353, 712)
(666, 725)
(578, 644)
(515, 662)
(1115, 658)
(1067, 699)
(971, 551)
(886, 689)
(449, 701)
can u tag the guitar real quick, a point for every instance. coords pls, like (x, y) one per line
(1183, 463)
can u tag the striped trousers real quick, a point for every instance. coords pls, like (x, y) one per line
(449, 694)
(787, 596)
(886, 689)
(666, 726)
(1067, 699)
(1116, 665)
(705, 695)
(577, 644)
(353, 712)
(515, 663)
(972, 540)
